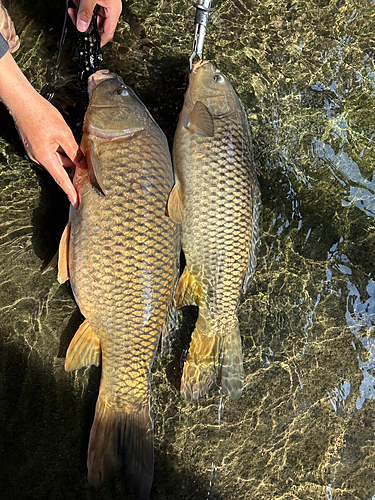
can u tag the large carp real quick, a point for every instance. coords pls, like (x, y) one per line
(217, 199)
(119, 252)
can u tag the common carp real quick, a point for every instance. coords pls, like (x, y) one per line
(216, 197)
(119, 252)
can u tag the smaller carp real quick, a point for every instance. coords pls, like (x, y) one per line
(217, 199)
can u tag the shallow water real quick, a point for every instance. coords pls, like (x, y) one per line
(305, 425)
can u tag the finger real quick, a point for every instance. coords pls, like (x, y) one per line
(57, 171)
(73, 15)
(71, 149)
(78, 159)
(65, 161)
(84, 14)
(82, 163)
(108, 31)
(73, 12)
(109, 24)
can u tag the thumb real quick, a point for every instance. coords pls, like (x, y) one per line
(84, 14)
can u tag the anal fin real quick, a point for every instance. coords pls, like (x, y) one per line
(188, 291)
(84, 349)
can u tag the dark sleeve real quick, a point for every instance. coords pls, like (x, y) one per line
(4, 47)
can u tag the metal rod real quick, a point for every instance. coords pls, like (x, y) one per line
(202, 17)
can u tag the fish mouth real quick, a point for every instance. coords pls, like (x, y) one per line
(98, 77)
(195, 90)
(198, 65)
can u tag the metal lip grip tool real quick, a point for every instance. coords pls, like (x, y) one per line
(202, 17)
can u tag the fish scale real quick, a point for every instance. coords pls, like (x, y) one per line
(122, 269)
(217, 200)
(231, 217)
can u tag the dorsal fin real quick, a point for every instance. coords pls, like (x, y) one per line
(201, 121)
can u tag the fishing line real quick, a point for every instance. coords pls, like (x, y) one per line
(49, 91)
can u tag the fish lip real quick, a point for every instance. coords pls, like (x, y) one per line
(199, 64)
(96, 78)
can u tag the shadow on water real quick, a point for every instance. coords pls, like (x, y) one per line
(49, 218)
(45, 428)
(175, 359)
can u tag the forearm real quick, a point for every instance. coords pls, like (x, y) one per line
(16, 92)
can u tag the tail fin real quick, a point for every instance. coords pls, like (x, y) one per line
(212, 354)
(231, 363)
(122, 439)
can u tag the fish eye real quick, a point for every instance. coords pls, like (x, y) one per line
(218, 78)
(122, 91)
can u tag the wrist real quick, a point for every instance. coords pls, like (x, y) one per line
(16, 92)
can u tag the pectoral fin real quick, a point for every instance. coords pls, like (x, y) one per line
(201, 121)
(84, 349)
(93, 165)
(63, 263)
(175, 206)
(188, 291)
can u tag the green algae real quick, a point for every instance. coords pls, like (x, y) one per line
(304, 427)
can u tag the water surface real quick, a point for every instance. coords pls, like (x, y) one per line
(305, 425)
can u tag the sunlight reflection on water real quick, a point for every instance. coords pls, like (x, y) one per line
(360, 319)
(305, 425)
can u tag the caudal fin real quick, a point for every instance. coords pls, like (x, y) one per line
(121, 439)
(213, 354)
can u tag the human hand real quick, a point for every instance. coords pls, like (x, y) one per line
(49, 141)
(108, 16)
(47, 138)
